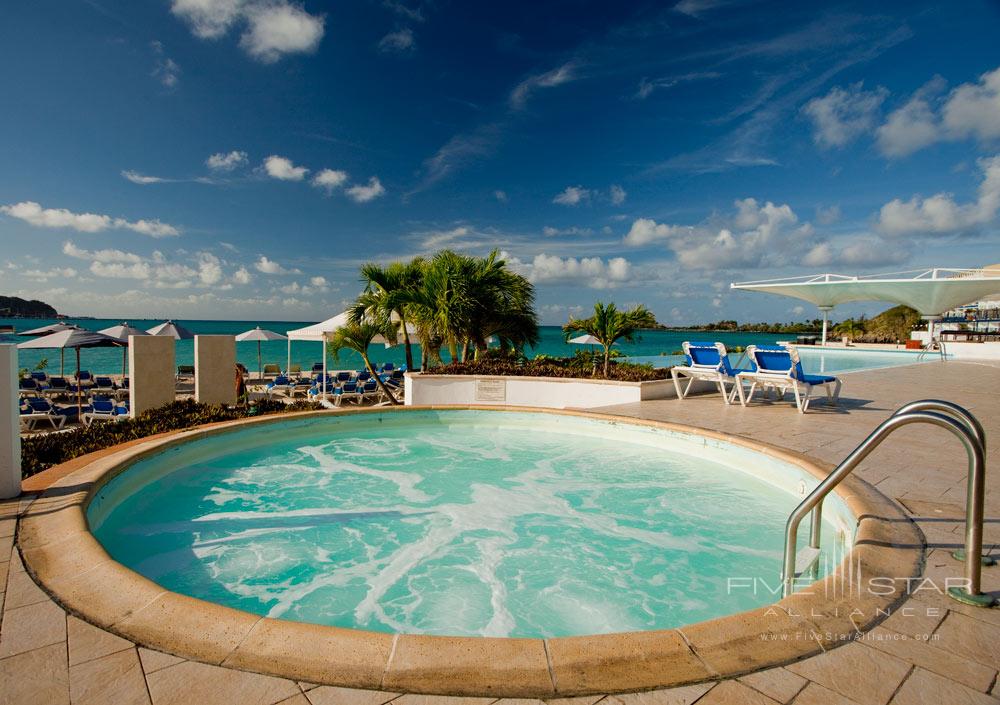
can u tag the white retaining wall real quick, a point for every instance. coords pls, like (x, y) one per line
(549, 392)
(10, 431)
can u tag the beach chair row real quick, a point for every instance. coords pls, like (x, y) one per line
(34, 411)
(771, 368)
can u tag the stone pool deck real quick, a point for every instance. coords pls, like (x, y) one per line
(933, 651)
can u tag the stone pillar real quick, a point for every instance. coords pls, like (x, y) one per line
(10, 432)
(215, 369)
(151, 372)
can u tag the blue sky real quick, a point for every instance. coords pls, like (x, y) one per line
(241, 158)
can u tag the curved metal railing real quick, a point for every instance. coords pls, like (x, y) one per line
(944, 414)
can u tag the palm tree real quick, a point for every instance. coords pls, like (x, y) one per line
(357, 337)
(385, 295)
(610, 325)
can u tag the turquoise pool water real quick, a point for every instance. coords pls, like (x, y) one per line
(461, 523)
(817, 360)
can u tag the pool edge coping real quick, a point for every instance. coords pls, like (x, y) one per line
(71, 565)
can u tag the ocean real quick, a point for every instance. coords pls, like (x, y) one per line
(109, 360)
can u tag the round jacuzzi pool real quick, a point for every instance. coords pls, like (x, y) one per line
(463, 522)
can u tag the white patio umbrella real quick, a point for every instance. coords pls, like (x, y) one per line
(172, 329)
(122, 331)
(49, 330)
(74, 338)
(584, 340)
(260, 335)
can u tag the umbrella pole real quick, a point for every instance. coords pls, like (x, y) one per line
(62, 362)
(124, 358)
(260, 365)
(288, 365)
(324, 365)
(79, 390)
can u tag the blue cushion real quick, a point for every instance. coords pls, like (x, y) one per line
(817, 379)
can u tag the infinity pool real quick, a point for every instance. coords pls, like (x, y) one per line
(816, 360)
(462, 523)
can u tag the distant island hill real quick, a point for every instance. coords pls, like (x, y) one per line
(14, 307)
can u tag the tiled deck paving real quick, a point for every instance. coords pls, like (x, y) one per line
(47, 656)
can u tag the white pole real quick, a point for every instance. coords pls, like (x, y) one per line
(288, 365)
(324, 365)
(10, 434)
(826, 312)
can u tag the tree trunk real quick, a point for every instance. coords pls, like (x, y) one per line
(406, 343)
(607, 360)
(378, 380)
(453, 351)
(465, 351)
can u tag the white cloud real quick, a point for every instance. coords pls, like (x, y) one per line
(398, 42)
(222, 161)
(209, 19)
(549, 231)
(500, 196)
(914, 125)
(591, 272)
(409, 13)
(971, 110)
(273, 28)
(53, 273)
(364, 193)
(318, 281)
(242, 276)
(71, 250)
(556, 77)
(844, 114)
(277, 28)
(209, 269)
(167, 71)
(755, 235)
(572, 196)
(33, 214)
(136, 178)
(618, 195)
(282, 168)
(329, 179)
(269, 266)
(827, 216)
(940, 213)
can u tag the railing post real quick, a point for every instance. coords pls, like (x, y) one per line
(968, 430)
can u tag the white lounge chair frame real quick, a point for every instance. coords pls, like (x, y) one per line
(782, 381)
(709, 373)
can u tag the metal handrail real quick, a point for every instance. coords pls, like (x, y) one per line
(936, 412)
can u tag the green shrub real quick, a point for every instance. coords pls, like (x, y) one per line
(580, 366)
(41, 452)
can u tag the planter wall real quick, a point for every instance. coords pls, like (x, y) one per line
(548, 392)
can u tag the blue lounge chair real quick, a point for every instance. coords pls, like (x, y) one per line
(363, 375)
(708, 362)
(104, 385)
(84, 378)
(43, 410)
(41, 377)
(348, 391)
(317, 368)
(343, 377)
(100, 410)
(779, 368)
(29, 386)
(281, 383)
(57, 387)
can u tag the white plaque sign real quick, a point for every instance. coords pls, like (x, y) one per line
(491, 390)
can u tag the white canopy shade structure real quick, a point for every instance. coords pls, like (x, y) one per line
(930, 291)
(322, 332)
(260, 335)
(122, 331)
(172, 329)
(319, 332)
